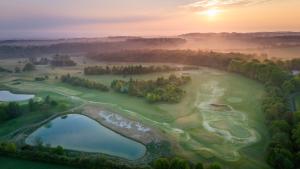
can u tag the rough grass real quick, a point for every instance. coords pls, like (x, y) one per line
(236, 137)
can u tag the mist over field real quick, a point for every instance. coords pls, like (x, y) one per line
(264, 45)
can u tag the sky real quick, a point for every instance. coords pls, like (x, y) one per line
(95, 18)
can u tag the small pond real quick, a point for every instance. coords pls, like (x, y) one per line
(81, 133)
(7, 96)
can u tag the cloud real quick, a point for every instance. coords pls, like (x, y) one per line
(202, 5)
(48, 22)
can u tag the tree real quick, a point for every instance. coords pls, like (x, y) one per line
(47, 100)
(162, 163)
(31, 105)
(59, 150)
(296, 117)
(279, 126)
(199, 166)
(17, 70)
(288, 87)
(282, 139)
(177, 163)
(9, 147)
(296, 135)
(28, 67)
(214, 166)
(280, 158)
(13, 109)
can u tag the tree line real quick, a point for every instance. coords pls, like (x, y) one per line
(188, 57)
(28, 67)
(62, 60)
(80, 82)
(129, 70)
(159, 90)
(58, 155)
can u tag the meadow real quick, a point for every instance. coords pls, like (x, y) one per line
(219, 118)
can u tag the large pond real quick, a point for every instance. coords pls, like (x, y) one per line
(7, 96)
(81, 133)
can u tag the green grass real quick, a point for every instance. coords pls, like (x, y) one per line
(183, 123)
(12, 163)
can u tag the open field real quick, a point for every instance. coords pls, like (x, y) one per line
(11, 163)
(219, 118)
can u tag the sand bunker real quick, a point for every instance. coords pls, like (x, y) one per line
(122, 122)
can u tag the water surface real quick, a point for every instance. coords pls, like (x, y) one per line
(7, 96)
(81, 133)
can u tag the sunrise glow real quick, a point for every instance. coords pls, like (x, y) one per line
(211, 12)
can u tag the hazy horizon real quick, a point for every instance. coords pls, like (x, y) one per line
(54, 19)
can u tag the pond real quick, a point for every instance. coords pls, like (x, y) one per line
(7, 96)
(81, 133)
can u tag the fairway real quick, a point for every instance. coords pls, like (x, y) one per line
(219, 118)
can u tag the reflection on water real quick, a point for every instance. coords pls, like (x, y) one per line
(78, 132)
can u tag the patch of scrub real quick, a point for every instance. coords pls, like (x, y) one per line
(7, 96)
(78, 132)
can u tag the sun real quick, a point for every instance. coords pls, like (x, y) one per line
(212, 12)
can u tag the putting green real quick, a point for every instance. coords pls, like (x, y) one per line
(219, 118)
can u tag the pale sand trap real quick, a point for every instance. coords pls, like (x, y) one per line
(122, 122)
(125, 126)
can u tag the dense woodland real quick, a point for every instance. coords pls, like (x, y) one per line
(130, 69)
(80, 82)
(159, 90)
